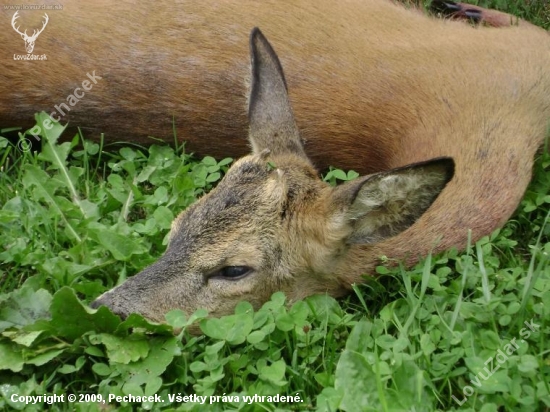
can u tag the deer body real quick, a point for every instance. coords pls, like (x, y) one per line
(367, 78)
(373, 87)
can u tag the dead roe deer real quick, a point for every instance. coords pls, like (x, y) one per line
(478, 96)
(374, 86)
(271, 223)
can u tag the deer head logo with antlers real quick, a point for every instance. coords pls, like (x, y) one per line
(29, 40)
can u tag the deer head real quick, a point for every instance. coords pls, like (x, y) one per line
(29, 40)
(272, 224)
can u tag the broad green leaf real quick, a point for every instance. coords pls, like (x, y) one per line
(359, 336)
(121, 247)
(329, 400)
(49, 128)
(274, 373)
(386, 341)
(409, 387)
(160, 356)
(45, 189)
(44, 357)
(23, 307)
(159, 197)
(101, 369)
(284, 322)
(197, 366)
(217, 328)
(277, 301)
(356, 379)
(26, 338)
(528, 364)
(122, 350)
(241, 329)
(325, 307)
(211, 351)
(176, 318)
(136, 320)
(10, 357)
(299, 312)
(497, 382)
(427, 344)
(214, 177)
(132, 388)
(94, 351)
(163, 217)
(225, 162)
(255, 337)
(56, 155)
(71, 319)
(233, 328)
(489, 407)
(128, 153)
(153, 386)
(209, 161)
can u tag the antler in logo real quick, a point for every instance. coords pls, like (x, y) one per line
(29, 40)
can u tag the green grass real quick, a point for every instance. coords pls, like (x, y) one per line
(76, 219)
(535, 11)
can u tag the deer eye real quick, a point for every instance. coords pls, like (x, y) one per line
(232, 272)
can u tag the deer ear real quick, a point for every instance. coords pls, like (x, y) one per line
(272, 124)
(382, 205)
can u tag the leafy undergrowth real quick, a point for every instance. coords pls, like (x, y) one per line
(535, 11)
(460, 331)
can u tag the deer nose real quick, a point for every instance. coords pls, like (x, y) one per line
(105, 301)
(97, 303)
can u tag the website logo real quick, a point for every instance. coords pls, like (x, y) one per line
(29, 40)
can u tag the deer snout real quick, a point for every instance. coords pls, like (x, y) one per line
(149, 293)
(108, 301)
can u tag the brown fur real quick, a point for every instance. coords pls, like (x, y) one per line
(365, 76)
(373, 86)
